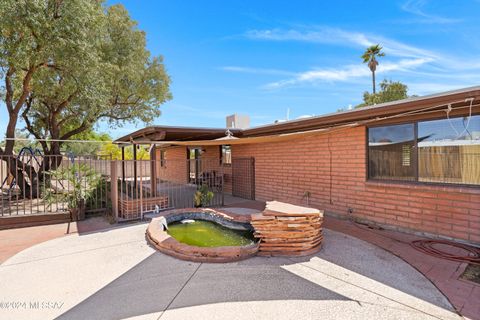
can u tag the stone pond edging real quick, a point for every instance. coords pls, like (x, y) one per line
(282, 229)
(162, 241)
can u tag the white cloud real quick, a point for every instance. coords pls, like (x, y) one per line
(418, 63)
(328, 35)
(347, 73)
(423, 70)
(257, 70)
(416, 7)
(319, 35)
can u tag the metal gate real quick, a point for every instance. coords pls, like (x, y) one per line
(243, 178)
(147, 186)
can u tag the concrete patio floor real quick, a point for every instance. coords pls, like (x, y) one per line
(445, 274)
(114, 274)
(15, 240)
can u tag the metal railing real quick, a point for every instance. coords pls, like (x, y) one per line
(52, 184)
(128, 189)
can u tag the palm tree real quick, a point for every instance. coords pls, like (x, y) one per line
(370, 56)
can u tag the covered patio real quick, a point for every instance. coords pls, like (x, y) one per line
(179, 166)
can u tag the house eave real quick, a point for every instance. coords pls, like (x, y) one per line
(435, 103)
(370, 112)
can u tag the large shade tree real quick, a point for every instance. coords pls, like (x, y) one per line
(370, 58)
(124, 85)
(96, 68)
(37, 36)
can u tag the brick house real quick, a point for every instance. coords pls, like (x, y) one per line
(411, 165)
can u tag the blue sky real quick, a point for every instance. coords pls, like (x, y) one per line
(263, 57)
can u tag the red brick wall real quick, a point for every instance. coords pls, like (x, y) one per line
(338, 182)
(175, 168)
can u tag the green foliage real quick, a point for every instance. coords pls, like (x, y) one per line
(115, 152)
(389, 91)
(88, 148)
(80, 182)
(202, 196)
(102, 189)
(40, 36)
(85, 62)
(370, 55)
(104, 147)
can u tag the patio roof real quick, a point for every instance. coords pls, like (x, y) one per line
(171, 133)
(251, 140)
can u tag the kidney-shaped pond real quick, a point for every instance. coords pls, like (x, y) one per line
(202, 233)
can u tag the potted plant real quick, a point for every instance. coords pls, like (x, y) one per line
(202, 196)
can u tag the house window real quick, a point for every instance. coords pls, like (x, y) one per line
(225, 155)
(441, 151)
(389, 152)
(162, 158)
(449, 150)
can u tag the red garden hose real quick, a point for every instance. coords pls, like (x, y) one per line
(472, 254)
(428, 246)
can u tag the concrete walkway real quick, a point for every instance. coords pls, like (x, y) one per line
(15, 240)
(445, 274)
(114, 274)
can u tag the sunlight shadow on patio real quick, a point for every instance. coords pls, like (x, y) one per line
(348, 275)
(160, 282)
(367, 290)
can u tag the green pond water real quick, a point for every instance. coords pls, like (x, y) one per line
(203, 233)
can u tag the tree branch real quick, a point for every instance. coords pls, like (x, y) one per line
(56, 14)
(53, 66)
(126, 102)
(65, 103)
(84, 126)
(61, 122)
(9, 88)
(25, 89)
(29, 126)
